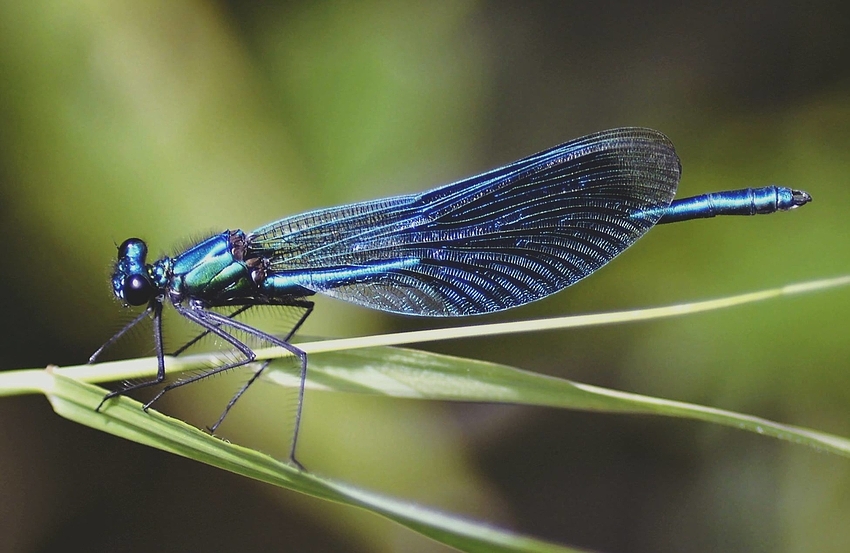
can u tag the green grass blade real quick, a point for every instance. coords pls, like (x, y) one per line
(417, 374)
(76, 401)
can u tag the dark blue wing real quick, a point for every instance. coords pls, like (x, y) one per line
(501, 239)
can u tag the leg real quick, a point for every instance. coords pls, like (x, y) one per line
(119, 334)
(308, 306)
(302, 356)
(238, 394)
(156, 307)
(200, 336)
(197, 316)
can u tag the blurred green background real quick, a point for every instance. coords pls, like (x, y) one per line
(168, 120)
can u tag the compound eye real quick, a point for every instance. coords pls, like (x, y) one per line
(134, 249)
(138, 290)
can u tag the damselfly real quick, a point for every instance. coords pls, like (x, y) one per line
(487, 243)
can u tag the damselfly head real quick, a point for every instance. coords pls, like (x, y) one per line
(130, 280)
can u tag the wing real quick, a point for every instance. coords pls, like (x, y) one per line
(498, 240)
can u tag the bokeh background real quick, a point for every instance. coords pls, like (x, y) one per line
(167, 120)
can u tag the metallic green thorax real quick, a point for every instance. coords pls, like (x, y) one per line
(215, 269)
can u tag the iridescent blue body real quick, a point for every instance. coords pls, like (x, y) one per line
(491, 242)
(749, 201)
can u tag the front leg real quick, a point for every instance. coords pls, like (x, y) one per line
(156, 308)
